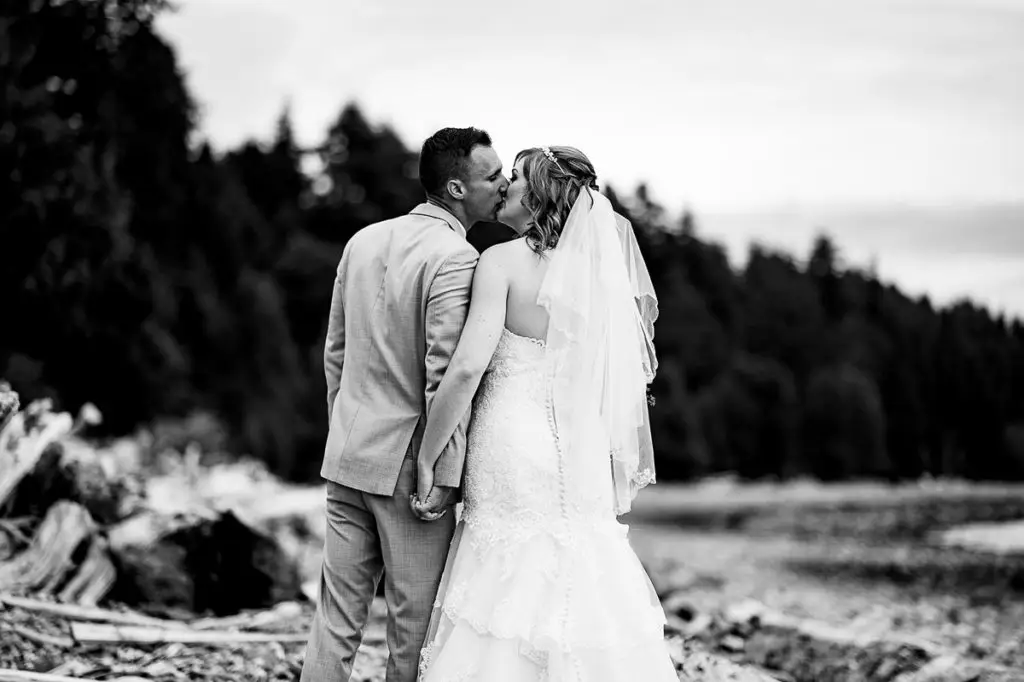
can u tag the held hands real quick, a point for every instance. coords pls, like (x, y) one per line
(430, 502)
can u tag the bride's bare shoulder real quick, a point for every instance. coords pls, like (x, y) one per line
(505, 254)
(497, 261)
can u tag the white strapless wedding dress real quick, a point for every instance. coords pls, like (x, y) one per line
(541, 583)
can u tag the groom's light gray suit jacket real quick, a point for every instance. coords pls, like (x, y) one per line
(400, 301)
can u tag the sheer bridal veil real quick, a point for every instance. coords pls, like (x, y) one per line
(602, 308)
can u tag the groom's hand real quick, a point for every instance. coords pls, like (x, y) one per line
(436, 503)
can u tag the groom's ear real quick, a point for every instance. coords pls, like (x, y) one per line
(456, 189)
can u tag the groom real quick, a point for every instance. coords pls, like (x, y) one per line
(399, 305)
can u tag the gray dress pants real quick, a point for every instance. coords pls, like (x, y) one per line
(368, 535)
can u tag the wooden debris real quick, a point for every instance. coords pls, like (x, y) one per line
(13, 536)
(86, 613)
(74, 668)
(41, 637)
(9, 403)
(99, 538)
(94, 633)
(215, 562)
(49, 558)
(7, 675)
(285, 611)
(17, 461)
(94, 578)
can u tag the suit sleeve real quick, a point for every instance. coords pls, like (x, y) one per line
(334, 348)
(446, 310)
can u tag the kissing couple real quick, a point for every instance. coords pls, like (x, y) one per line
(515, 381)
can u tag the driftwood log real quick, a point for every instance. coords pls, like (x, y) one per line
(52, 563)
(23, 442)
(9, 403)
(14, 534)
(29, 676)
(86, 613)
(102, 633)
(204, 563)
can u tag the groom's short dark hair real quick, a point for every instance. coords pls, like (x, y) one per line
(444, 155)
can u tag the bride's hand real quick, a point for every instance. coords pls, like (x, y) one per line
(436, 504)
(428, 501)
(424, 481)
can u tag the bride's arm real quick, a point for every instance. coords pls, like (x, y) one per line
(472, 356)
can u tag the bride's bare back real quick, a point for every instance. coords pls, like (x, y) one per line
(525, 270)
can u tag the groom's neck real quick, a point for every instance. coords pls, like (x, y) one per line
(452, 207)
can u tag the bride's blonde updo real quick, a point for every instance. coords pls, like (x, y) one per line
(554, 178)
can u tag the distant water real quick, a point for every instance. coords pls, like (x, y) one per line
(1006, 537)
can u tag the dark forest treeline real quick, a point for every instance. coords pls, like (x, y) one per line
(146, 274)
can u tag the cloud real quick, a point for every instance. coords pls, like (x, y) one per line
(947, 252)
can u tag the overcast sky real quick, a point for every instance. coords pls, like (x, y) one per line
(894, 124)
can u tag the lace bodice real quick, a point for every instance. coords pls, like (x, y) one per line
(519, 364)
(515, 476)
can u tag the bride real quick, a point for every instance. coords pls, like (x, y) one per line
(541, 582)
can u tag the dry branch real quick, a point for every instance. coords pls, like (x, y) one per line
(87, 613)
(41, 637)
(8, 675)
(93, 633)
(287, 610)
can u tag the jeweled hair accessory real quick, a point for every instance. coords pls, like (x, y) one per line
(551, 156)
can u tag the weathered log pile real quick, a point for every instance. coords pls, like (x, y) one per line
(77, 524)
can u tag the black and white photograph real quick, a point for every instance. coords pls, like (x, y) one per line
(561, 341)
